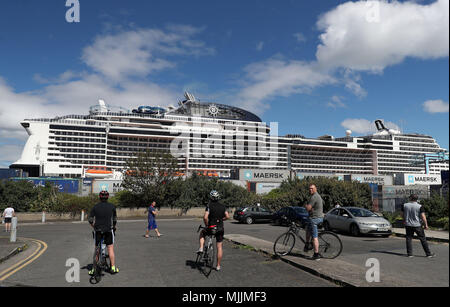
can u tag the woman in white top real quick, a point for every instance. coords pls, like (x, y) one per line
(8, 214)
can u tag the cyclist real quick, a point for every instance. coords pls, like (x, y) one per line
(315, 209)
(103, 219)
(215, 214)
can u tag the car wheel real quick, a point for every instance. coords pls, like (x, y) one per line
(249, 220)
(354, 230)
(326, 226)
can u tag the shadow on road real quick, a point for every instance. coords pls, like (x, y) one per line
(198, 265)
(194, 265)
(389, 253)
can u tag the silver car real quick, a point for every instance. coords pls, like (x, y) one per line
(357, 221)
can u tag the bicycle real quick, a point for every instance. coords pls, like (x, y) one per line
(205, 260)
(101, 262)
(330, 246)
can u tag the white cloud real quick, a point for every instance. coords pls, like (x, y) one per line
(364, 126)
(141, 52)
(278, 77)
(363, 36)
(436, 106)
(371, 35)
(336, 102)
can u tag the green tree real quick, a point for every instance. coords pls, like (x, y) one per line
(437, 210)
(18, 194)
(148, 177)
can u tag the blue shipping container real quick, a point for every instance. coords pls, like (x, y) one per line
(6, 173)
(70, 186)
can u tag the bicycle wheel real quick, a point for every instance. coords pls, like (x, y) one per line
(97, 264)
(209, 258)
(330, 246)
(284, 244)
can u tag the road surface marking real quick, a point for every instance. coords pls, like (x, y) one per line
(23, 263)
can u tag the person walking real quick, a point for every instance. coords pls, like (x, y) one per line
(8, 214)
(413, 213)
(152, 213)
(315, 209)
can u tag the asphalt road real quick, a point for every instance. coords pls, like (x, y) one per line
(155, 262)
(391, 253)
(169, 261)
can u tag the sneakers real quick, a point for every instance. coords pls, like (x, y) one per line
(114, 270)
(410, 256)
(200, 251)
(432, 255)
(316, 256)
(218, 268)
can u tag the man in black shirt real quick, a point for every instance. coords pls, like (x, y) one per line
(215, 214)
(103, 219)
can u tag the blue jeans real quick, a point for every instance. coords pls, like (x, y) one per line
(311, 226)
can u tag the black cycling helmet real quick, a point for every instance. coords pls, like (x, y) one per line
(104, 195)
(214, 195)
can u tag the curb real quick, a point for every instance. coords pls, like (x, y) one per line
(312, 271)
(431, 239)
(16, 251)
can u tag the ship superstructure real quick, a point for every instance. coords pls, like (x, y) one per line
(210, 137)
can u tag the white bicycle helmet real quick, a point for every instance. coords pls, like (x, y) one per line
(214, 195)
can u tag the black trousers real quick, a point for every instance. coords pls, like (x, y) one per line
(420, 234)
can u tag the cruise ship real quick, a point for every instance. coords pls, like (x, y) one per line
(212, 138)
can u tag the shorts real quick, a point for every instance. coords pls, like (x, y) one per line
(311, 225)
(152, 225)
(108, 237)
(219, 235)
(8, 220)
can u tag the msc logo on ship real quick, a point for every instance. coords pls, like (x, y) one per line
(248, 174)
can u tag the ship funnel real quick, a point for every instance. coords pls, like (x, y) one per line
(380, 125)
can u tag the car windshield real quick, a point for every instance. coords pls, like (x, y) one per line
(359, 212)
(300, 210)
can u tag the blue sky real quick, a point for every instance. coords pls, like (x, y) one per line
(315, 67)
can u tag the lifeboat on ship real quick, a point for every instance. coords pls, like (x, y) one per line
(98, 172)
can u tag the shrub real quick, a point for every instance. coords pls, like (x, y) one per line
(436, 208)
(442, 223)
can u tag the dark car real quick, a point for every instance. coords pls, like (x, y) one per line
(290, 214)
(250, 215)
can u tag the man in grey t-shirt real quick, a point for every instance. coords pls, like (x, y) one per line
(315, 209)
(413, 212)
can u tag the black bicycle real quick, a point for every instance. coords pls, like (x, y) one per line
(101, 262)
(205, 260)
(330, 246)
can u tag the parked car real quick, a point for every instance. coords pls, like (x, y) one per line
(357, 221)
(288, 214)
(252, 214)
